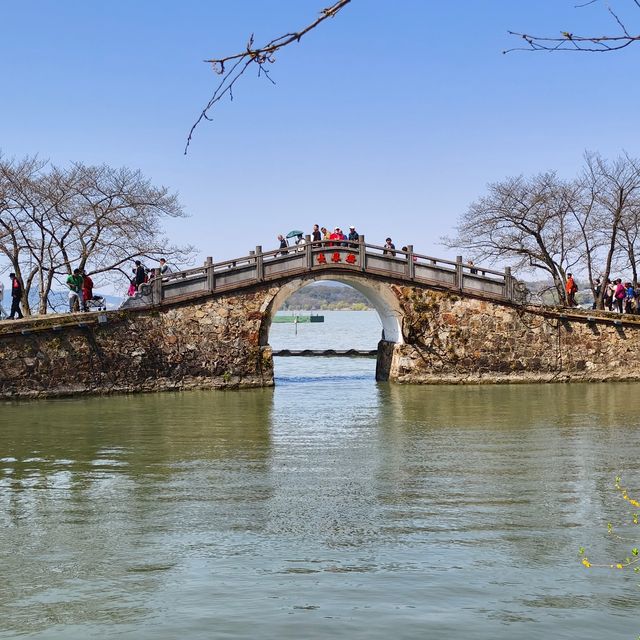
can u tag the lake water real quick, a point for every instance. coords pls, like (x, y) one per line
(328, 507)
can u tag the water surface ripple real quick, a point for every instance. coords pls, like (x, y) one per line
(330, 506)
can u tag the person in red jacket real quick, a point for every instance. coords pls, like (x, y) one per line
(571, 288)
(335, 235)
(87, 290)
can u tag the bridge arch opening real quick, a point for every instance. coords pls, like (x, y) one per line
(384, 333)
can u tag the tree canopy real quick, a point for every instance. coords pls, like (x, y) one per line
(589, 225)
(95, 218)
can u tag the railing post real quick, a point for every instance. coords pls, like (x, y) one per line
(459, 273)
(308, 249)
(156, 287)
(259, 263)
(508, 284)
(411, 265)
(362, 252)
(211, 281)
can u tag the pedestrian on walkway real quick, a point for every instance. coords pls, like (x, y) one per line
(571, 288)
(16, 297)
(87, 290)
(75, 282)
(3, 313)
(620, 295)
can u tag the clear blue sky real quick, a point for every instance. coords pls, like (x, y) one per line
(392, 116)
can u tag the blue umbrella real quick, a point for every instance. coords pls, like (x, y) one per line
(294, 233)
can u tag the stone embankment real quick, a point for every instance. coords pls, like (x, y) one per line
(450, 339)
(213, 344)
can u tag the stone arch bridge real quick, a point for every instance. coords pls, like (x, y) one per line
(443, 322)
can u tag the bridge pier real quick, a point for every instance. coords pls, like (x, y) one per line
(384, 361)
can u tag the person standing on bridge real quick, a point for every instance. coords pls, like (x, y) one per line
(354, 237)
(389, 248)
(140, 274)
(571, 288)
(316, 236)
(283, 245)
(16, 297)
(165, 269)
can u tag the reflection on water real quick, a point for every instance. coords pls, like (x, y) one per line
(330, 506)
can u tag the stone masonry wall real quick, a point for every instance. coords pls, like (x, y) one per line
(209, 344)
(214, 342)
(450, 339)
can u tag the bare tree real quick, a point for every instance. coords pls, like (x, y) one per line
(616, 185)
(621, 38)
(233, 66)
(95, 218)
(18, 235)
(529, 221)
(544, 223)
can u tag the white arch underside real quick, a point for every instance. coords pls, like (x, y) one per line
(378, 294)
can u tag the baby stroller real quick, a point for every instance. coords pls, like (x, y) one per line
(96, 303)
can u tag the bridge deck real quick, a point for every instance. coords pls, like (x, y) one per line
(325, 257)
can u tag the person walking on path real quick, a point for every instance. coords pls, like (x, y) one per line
(75, 282)
(571, 288)
(608, 295)
(16, 297)
(630, 298)
(620, 294)
(598, 289)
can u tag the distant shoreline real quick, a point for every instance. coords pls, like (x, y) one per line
(330, 306)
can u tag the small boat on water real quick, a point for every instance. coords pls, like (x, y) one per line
(297, 318)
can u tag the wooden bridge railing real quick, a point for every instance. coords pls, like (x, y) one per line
(323, 257)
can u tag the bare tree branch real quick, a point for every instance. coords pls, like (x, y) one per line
(568, 41)
(259, 56)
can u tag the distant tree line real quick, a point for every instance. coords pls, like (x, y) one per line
(326, 297)
(589, 226)
(95, 218)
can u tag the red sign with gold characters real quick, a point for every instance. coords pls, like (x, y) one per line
(335, 258)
